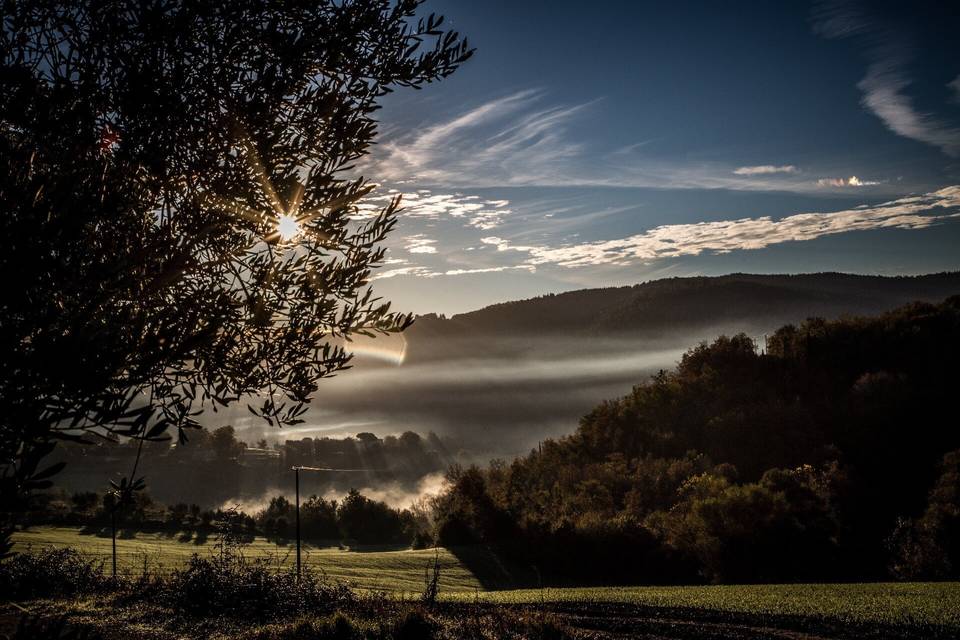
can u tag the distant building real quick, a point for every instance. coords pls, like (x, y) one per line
(251, 457)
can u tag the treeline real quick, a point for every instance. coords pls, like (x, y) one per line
(668, 305)
(215, 465)
(829, 453)
(353, 519)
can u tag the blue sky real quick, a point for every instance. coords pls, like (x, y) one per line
(613, 142)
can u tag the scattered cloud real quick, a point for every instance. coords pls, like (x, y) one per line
(460, 272)
(464, 255)
(426, 272)
(852, 181)
(424, 203)
(765, 169)
(419, 243)
(412, 270)
(725, 236)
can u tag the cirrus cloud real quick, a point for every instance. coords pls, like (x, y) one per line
(725, 236)
(765, 169)
(886, 86)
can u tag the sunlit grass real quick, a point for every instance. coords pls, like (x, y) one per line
(910, 604)
(400, 571)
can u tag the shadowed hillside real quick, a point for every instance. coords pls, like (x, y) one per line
(662, 308)
(837, 442)
(501, 378)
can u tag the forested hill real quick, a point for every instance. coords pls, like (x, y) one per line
(742, 302)
(832, 455)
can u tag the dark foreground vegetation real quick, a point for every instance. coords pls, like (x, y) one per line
(829, 453)
(228, 596)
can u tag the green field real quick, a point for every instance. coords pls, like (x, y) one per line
(910, 604)
(914, 605)
(396, 571)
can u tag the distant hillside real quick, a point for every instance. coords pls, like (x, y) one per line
(502, 378)
(831, 455)
(663, 307)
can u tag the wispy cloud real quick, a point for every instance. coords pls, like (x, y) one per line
(475, 211)
(426, 272)
(419, 243)
(725, 236)
(520, 140)
(884, 94)
(508, 140)
(765, 169)
(885, 85)
(461, 272)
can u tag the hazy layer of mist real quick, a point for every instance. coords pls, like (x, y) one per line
(498, 380)
(495, 398)
(395, 494)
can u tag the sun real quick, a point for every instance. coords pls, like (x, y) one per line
(288, 227)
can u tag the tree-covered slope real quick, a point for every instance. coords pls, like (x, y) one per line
(826, 454)
(666, 306)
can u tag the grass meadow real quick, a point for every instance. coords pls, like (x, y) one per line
(401, 573)
(396, 571)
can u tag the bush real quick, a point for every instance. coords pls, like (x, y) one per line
(47, 573)
(38, 627)
(414, 625)
(422, 540)
(250, 589)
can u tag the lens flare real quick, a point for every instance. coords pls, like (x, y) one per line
(387, 348)
(288, 227)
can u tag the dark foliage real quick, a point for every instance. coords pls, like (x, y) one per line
(816, 443)
(929, 546)
(371, 521)
(48, 573)
(208, 587)
(42, 628)
(149, 154)
(414, 625)
(356, 519)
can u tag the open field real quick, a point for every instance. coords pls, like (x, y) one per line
(393, 570)
(911, 604)
(917, 607)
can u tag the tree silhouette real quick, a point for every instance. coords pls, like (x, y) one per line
(181, 221)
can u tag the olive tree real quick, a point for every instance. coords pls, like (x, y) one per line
(181, 222)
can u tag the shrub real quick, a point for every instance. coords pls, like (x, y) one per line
(250, 589)
(414, 625)
(49, 572)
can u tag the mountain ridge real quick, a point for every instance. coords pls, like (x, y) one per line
(667, 305)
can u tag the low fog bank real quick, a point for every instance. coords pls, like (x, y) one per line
(493, 397)
(502, 378)
(398, 495)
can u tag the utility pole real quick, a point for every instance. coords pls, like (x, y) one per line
(113, 532)
(297, 472)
